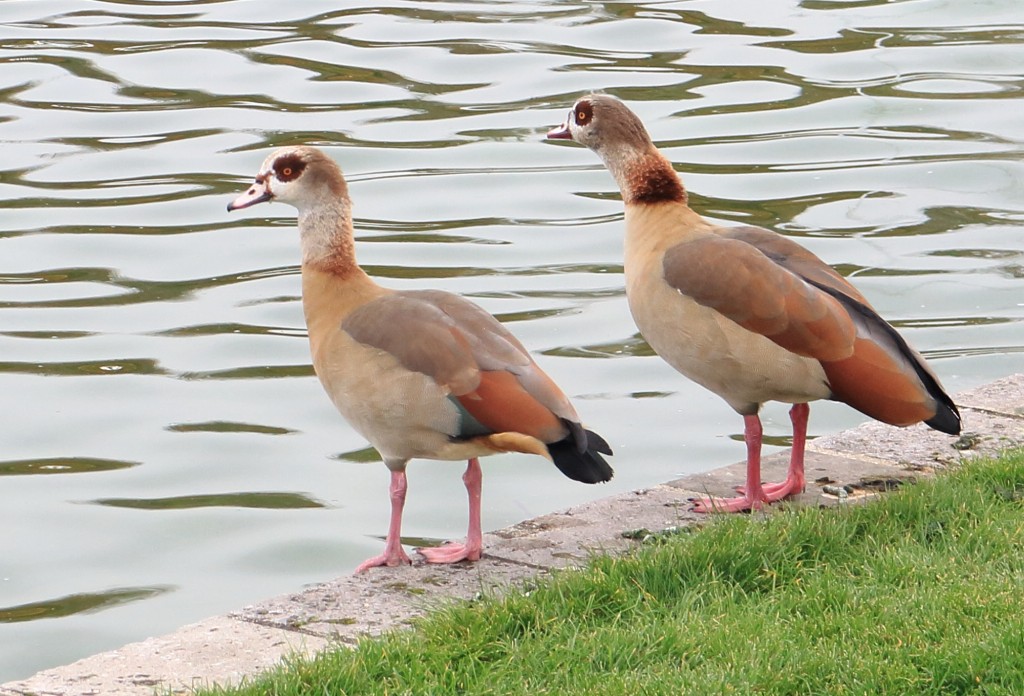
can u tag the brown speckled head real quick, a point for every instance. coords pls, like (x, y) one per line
(600, 121)
(312, 182)
(616, 134)
(302, 176)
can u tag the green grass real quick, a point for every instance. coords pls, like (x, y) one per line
(917, 593)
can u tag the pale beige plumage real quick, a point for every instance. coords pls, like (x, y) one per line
(747, 313)
(417, 373)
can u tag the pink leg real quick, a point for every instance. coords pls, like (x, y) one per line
(754, 495)
(795, 482)
(471, 550)
(393, 554)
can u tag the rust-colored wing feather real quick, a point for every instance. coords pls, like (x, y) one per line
(502, 404)
(471, 355)
(884, 377)
(771, 285)
(887, 379)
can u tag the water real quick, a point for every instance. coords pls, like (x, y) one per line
(167, 453)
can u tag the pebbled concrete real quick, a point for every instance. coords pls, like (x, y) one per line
(220, 649)
(851, 465)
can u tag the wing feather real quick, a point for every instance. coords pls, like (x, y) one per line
(468, 352)
(771, 285)
(742, 283)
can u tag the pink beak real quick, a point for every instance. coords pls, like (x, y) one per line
(561, 132)
(257, 193)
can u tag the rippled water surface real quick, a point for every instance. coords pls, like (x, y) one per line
(167, 453)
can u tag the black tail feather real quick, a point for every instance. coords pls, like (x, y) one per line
(946, 418)
(582, 463)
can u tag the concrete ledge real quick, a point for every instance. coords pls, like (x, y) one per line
(220, 649)
(857, 463)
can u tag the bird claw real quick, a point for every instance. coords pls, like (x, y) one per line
(739, 504)
(390, 560)
(791, 487)
(450, 552)
(769, 493)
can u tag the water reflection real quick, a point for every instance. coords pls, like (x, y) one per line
(83, 368)
(61, 465)
(82, 603)
(253, 372)
(228, 427)
(265, 500)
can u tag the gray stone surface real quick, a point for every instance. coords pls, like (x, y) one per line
(855, 464)
(858, 476)
(1002, 396)
(350, 607)
(353, 606)
(217, 650)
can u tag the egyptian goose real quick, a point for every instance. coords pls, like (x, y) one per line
(418, 373)
(746, 312)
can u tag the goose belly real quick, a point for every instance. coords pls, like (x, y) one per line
(402, 413)
(744, 368)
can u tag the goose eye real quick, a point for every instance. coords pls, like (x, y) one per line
(584, 113)
(289, 168)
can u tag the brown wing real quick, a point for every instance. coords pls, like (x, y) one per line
(469, 353)
(772, 285)
(793, 257)
(420, 336)
(760, 294)
(885, 377)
